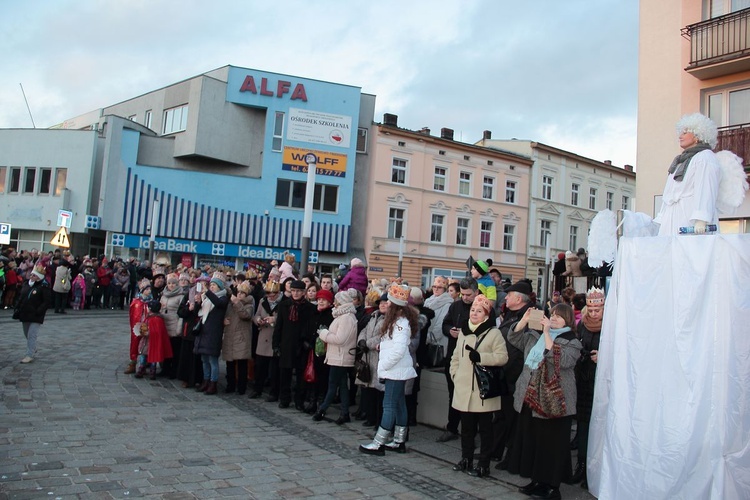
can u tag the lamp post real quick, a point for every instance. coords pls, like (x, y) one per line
(312, 163)
(400, 255)
(152, 232)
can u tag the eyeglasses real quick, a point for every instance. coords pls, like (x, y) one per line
(435, 287)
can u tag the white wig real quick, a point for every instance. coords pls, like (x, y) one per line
(701, 126)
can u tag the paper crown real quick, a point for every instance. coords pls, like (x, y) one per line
(143, 284)
(594, 297)
(398, 294)
(271, 287)
(245, 288)
(483, 302)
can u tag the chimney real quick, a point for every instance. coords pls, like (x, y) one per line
(446, 133)
(486, 135)
(390, 120)
(608, 162)
(425, 131)
(628, 168)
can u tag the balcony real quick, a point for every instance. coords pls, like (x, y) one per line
(736, 138)
(719, 46)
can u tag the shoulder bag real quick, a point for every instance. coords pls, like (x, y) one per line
(545, 395)
(490, 379)
(435, 353)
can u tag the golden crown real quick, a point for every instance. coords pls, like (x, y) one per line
(399, 292)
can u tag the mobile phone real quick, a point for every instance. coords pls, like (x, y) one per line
(199, 287)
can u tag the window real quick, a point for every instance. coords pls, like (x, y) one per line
(436, 229)
(175, 120)
(573, 243)
(15, 179)
(61, 180)
(398, 171)
(3, 173)
(147, 119)
(592, 198)
(485, 234)
(574, 188)
(395, 222)
(625, 201)
(716, 8)
(45, 180)
(546, 229)
(510, 191)
(29, 180)
(278, 131)
(488, 186)
(402, 144)
(547, 187)
(361, 140)
(462, 231)
(291, 194)
(729, 107)
(610, 200)
(132, 117)
(464, 184)
(509, 233)
(439, 182)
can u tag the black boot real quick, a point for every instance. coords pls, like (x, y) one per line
(579, 473)
(465, 464)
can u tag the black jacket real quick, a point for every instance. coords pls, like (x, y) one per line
(209, 340)
(514, 367)
(289, 336)
(33, 301)
(586, 372)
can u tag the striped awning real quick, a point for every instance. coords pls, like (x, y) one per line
(191, 220)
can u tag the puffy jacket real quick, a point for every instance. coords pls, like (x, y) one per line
(170, 304)
(341, 338)
(396, 363)
(356, 278)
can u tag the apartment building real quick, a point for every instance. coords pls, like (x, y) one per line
(448, 201)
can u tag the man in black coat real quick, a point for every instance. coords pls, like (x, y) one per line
(292, 337)
(33, 301)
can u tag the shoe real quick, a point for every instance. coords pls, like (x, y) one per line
(255, 395)
(368, 423)
(130, 368)
(447, 436)
(319, 415)
(463, 465)
(185, 385)
(229, 389)
(299, 407)
(211, 389)
(284, 404)
(399, 440)
(310, 408)
(343, 419)
(530, 488)
(547, 492)
(578, 474)
(203, 387)
(27, 359)
(138, 375)
(479, 471)
(271, 399)
(377, 446)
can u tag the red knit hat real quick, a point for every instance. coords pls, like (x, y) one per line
(325, 294)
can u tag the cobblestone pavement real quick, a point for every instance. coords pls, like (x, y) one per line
(72, 425)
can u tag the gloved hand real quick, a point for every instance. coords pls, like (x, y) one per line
(362, 344)
(474, 356)
(321, 330)
(700, 227)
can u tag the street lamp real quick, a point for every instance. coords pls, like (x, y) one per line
(312, 163)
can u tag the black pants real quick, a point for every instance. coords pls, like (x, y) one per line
(454, 416)
(237, 376)
(61, 299)
(504, 426)
(170, 365)
(285, 382)
(266, 368)
(470, 423)
(583, 439)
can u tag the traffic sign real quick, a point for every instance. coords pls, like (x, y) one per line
(61, 238)
(4, 233)
(64, 218)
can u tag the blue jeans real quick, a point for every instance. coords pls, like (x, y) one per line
(210, 367)
(338, 377)
(394, 405)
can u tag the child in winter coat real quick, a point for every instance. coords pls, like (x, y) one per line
(79, 292)
(154, 343)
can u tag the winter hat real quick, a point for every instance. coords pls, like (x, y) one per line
(219, 279)
(521, 286)
(415, 296)
(325, 295)
(483, 302)
(346, 297)
(356, 263)
(569, 255)
(38, 272)
(143, 284)
(398, 294)
(184, 277)
(274, 274)
(342, 267)
(482, 266)
(173, 278)
(561, 256)
(298, 285)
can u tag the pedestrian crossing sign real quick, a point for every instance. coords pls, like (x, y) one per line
(61, 238)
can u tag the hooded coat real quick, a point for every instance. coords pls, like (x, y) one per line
(341, 337)
(356, 278)
(237, 334)
(170, 304)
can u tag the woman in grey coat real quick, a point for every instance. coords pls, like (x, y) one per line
(541, 446)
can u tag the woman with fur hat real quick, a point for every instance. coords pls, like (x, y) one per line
(212, 307)
(480, 342)
(137, 312)
(340, 338)
(692, 187)
(395, 367)
(237, 345)
(266, 365)
(356, 277)
(170, 300)
(34, 298)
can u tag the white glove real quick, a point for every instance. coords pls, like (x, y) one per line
(322, 331)
(700, 227)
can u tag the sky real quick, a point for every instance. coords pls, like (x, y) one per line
(563, 73)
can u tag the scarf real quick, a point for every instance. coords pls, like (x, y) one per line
(294, 310)
(536, 354)
(592, 325)
(681, 161)
(207, 306)
(343, 309)
(177, 291)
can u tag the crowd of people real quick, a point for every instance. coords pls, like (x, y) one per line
(313, 343)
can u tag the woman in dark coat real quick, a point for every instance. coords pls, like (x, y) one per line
(213, 308)
(190, 366)
(33, 301)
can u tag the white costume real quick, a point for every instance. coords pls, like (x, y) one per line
(694, 198)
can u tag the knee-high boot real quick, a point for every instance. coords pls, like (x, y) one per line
(398, 444)
(377, 446)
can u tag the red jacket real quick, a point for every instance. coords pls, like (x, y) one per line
(104, 274)
(159, 347)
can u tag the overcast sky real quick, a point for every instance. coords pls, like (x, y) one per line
(559, 72)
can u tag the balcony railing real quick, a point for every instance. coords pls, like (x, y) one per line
(719, 46)
(736, 138)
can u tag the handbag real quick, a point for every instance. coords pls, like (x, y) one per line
(545, 395)
(320, 347)
(310, 368)
(435, 354)
(491, 381)
(362, 369)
